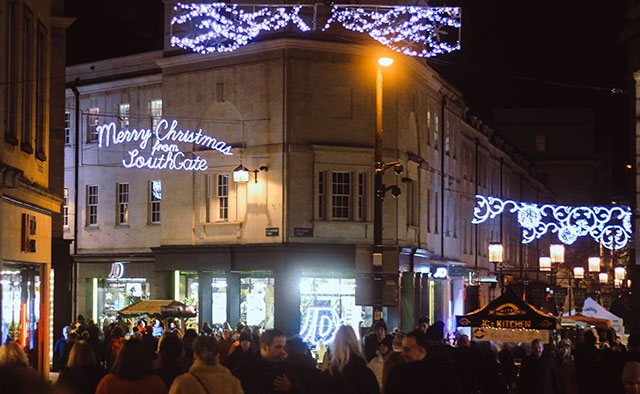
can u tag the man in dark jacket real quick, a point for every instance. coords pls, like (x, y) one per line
(373, 340)
(538, 374)
(420, 374)
(271, 373)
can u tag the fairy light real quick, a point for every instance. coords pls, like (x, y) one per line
(610, 226)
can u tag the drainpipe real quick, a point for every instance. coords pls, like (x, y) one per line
(475, 228)
(442, 175)
(74, 272)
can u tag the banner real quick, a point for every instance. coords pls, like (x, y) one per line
(507, 335)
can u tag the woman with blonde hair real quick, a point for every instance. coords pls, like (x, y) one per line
(82, 372)
(12, 355)
(348, 371)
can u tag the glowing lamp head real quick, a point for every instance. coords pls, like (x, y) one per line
(604, 277)
(557, 253)
(620, 272)
(385, 61)
(496, 253)
(545, 263)
(617, 283)
(578, 272)
(594, 264)
(241, 174)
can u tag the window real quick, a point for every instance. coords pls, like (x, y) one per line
(207, 195)
(321, 194)
(435, 211)
(67, 128)
(361, 196)
(428, 210)
(428, 128)
(447, 137)
(541, 143)
(341, 195)
(155, 110)
(93, 117)
(412, 203)
(13, 33)
(123, 204)
(155, 198)
(41, 90)
(436, 131)
(123, 115)
(92, 205)
(223, 197)
(65, 208)
(27, 80)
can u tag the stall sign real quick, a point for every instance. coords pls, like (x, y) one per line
(493, 334)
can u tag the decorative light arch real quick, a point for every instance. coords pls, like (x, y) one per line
(221, 27)
(610, 226)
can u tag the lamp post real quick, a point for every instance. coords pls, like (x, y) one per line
(496, 256)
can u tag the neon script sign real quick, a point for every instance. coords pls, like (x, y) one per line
(610, 226)
(165, 154)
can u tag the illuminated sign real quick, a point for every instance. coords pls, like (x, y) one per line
(164, 154)
(117, 270)
(441, 273)
(321, 323)
(506, 323)
(610, 226)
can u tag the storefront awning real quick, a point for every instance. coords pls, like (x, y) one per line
(592, 321)
(159, 308)
(508, 312)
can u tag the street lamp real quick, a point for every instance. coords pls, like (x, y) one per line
(594, 264)
(556, 252)
(578, 272)
(620, 273)
(496, 253)
(604, 277)
(545, 264)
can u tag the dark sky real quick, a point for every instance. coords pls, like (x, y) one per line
(562, 54)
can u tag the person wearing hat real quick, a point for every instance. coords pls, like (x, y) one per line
(566, 368)
(242, 359)
(373, 340)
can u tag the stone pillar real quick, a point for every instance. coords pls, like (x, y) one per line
(204, 298)
(233, 298)
(287, 301)
(407, 286)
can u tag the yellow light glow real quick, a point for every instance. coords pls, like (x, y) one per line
(495, 253)
(594, 264)
(604, 277)
(545, 263)
(241, 176)
(557, 253)
(620, 273)
(629, 166)
(578, 272)
(176, 285)
(94, 300)
(385, 61)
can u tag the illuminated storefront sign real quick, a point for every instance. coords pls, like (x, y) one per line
(117, 271)
(609, 226)
(164, 154)
(321, 323)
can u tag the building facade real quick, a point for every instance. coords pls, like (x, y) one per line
(291, 245)
(31, 103)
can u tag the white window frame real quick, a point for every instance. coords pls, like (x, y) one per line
(93, 119)
(362, 196)
(65, 208)
(122, 207)
(413, 204)
(222, 197)
(92, 205)
(124, 112)
(155, 111)
(67, 128)
(155, 203)
(344, 194)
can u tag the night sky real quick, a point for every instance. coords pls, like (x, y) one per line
(563, 54)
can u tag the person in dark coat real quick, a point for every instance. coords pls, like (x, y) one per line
(373, 340)
(271, 373)
(566, 368)
(538, 373)
(419, 373)
(348, 372)
(169, 364)
(588, 365)
(58, 350)
(243, 359)
(82, 372)
(300, 359)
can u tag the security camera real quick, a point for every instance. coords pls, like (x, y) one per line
(398, 169)
(395, 191)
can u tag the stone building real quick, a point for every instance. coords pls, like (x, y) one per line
(285, 246)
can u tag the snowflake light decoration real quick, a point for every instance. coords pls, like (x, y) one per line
(610, 226)
(221, 27)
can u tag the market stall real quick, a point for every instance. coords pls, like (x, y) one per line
(160, 309)
(508, 318)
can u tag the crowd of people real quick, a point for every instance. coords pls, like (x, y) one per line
(149, 359)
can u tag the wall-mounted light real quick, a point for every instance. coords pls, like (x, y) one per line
(594, 264)
(241, 174)
(545, 263)
(578, 272)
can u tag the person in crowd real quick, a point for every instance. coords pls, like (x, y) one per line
(440, 351)
(80, 325)
(158, 328)
(173, 326)
(508, 368)
(348, 371)
(588, 364)
(243, 359)
(373, 340)
(206, 329)
(94, 336)
(394, 358)
(631, 377)
(16, 376)
(12, 355)
(226, 342)
(420, 373)
(58, 350)
(124, 327)
(82, 373)
(423, 324)
(566, 368)
(206, 374)
(169, 364)
(113, 347)
(142, 326)
(271, 373)
(189, 338)
(538, 374)
(131, 373)
(376, 365)
(299, 358)
(482, 371)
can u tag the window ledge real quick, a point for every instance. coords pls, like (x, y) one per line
(92, 227)
(41, 156)
(11, 139)
(122, 225)
(153, 223)
(26, 148)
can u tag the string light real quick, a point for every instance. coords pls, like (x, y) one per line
(220, 27)
(609, 226)
(413, 31)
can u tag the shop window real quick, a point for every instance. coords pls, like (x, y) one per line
(123, 204)
(219, 300)
(325, 305)
(155, 110)
(256, 301)
(124, 111)
(155, 199)
(21, 300)
(92, 205)
(113, 294)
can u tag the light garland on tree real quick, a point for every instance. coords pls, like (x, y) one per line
(413, 31)
(221, 27)
(610, 226)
